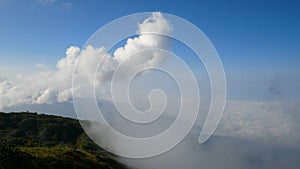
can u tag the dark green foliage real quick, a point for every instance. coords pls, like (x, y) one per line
(31, 140)
(85, 143)
(52, 158)
(31, 129)
(12, 158)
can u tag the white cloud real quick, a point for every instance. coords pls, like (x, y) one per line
(48, 96)
(55, 86)
(45, 2)
(41, 66)
(56, 4)
(271, 122)
(148, 29)
(244, 119)
(64, 96)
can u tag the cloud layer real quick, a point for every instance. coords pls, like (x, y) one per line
(256, 134)
(267, 121)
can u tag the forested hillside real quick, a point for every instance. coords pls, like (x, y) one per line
(31, 140)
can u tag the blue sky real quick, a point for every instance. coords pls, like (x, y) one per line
(258, 42)
(257, 39)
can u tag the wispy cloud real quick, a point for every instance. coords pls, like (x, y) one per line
(3, 67)
(67, 6)
(45, 2)
(63, 5)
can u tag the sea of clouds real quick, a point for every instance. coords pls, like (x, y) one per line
(252, 134)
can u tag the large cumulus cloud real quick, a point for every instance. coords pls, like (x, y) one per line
(55, 86)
